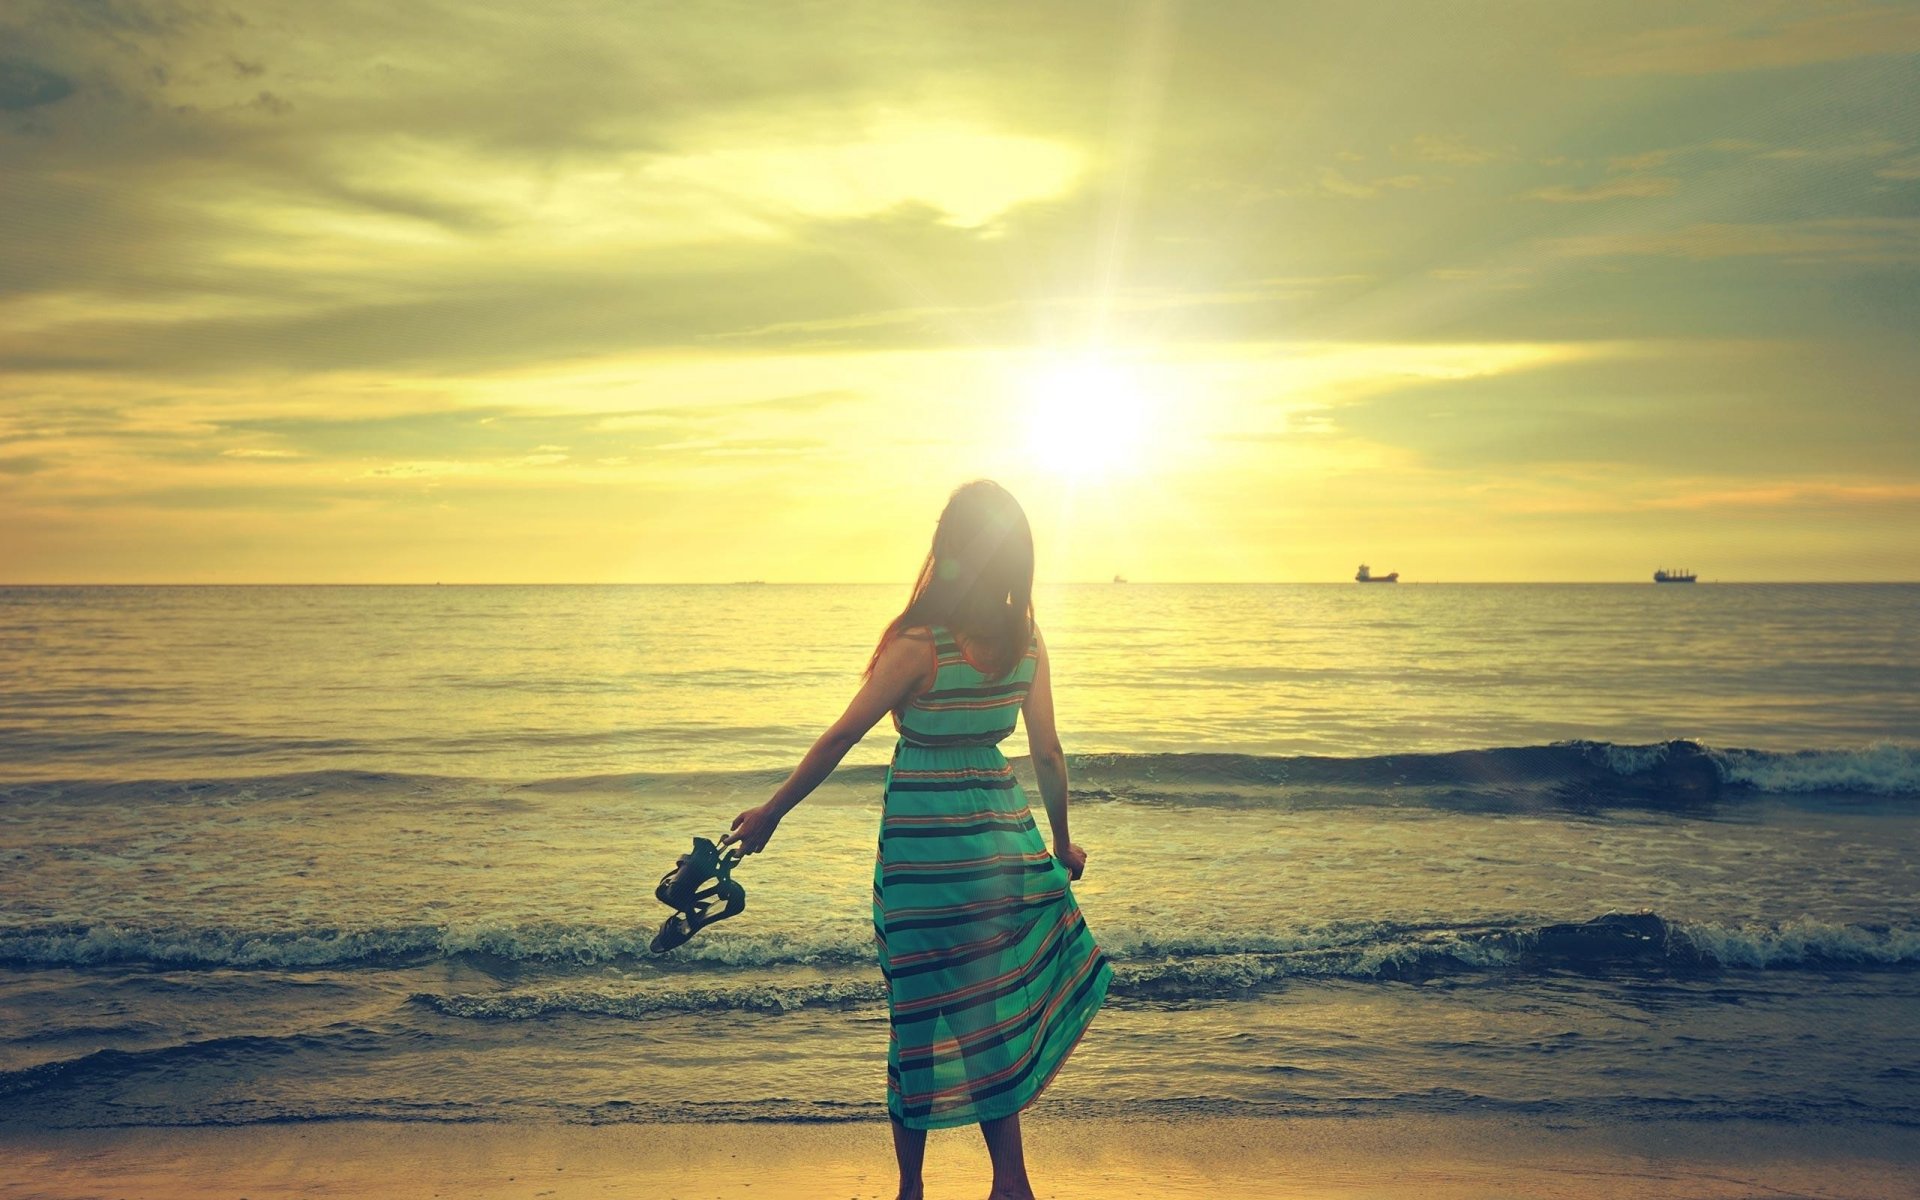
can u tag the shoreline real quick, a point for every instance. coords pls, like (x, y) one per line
(1460, 1157)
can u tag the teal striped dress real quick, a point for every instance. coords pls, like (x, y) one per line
(992, 974)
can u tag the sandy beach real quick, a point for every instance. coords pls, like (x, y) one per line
(1431, 1158)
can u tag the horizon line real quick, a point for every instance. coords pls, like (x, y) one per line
(893, 583)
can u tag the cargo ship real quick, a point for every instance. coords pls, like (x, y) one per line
(1665, 576)
(1366, 576)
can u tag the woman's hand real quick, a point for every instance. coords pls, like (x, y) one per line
(752, 828)
(1072, 857)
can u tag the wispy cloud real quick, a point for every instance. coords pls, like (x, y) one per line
(1632, 187)
(1452, 150)
(1868, 240)
(1793, 494)
(1752, 43)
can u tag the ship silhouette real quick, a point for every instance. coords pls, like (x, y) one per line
(1665, 576)
(1366, 576)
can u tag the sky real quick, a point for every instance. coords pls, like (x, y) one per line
(624, 291)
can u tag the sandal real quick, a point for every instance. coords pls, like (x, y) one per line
(695, 906)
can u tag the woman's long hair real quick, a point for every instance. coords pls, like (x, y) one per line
(978, 577)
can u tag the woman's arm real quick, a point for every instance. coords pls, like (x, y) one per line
(1049, 760)
(899, 673)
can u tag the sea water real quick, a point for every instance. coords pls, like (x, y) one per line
(1602, 852)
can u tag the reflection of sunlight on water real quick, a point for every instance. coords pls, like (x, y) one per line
(530, 683)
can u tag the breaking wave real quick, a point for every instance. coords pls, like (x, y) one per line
(1354, 949)
(1578, 772)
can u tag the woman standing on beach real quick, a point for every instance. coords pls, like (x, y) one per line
(992, 974)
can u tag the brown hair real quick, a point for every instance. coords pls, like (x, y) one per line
(978, 577)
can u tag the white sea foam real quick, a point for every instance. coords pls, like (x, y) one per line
(1803, 943)
(1882, 768)
(522, 1005)
(1632, 760)
(1356, 949)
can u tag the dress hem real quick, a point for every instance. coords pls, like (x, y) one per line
(1007, 1106)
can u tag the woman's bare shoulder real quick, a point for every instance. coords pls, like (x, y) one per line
(914, 640)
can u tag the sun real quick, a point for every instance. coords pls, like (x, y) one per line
(1087, 418)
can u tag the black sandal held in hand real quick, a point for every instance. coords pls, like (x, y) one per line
(694, 906)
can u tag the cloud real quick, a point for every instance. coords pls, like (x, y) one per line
(1866, 240)
(468, 434)
(1510, 277)
(25, 85)
(1853, 32)
(1736, 410)
(1790, 495)
(1451, 149)
(475, 318)
(1836, 151)
(1333, 182)
(1637, 187)
(1609, 496)
(463, 187)
(246, 497)
(355, 253)
(1646, 160)
(969, 175)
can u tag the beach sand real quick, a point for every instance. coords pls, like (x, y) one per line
(1431, 1158)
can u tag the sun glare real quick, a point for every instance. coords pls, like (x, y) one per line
(1088, 417)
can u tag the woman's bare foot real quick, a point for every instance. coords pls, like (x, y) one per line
(1009, 1159)
(910, 1152)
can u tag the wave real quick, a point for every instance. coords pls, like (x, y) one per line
(306, 949)
(530, 1004)
(1673, 772)
(257, 1049)
(1353, 949)
(1638, 943)
(1882, 769)
(1578, 772)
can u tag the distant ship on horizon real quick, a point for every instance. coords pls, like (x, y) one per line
(1367, 576)
(1665, 576)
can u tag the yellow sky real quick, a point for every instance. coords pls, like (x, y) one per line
(644, 292)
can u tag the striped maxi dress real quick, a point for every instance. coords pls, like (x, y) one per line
(992, 974)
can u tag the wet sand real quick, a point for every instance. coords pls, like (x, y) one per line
(1446, 1158)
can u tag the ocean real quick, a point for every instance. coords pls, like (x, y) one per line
(1599, 853)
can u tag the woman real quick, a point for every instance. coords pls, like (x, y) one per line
(992, 975)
